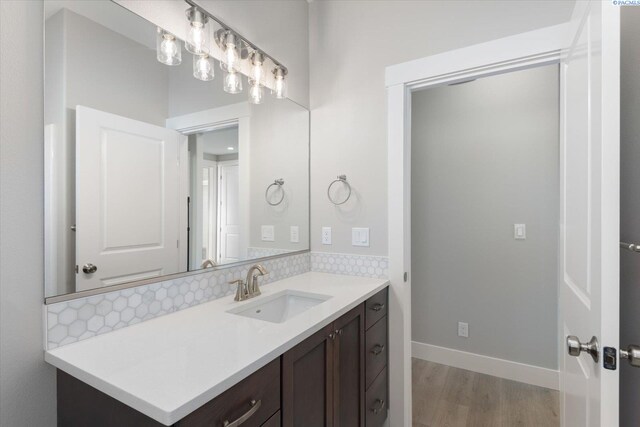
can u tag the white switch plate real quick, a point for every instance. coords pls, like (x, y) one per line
(519, 231)
(268, 233)
(326, 235)
(360, 236)
(294, 232)
(463, 329)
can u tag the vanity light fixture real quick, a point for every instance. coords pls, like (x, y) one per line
(280, 89)
(232, 82)
(197, 32)
(168, 49)
(203, 67)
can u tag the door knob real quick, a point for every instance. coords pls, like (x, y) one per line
(575, 347)
(89, 268)
(632, 354)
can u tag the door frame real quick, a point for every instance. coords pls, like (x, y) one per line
(218, 118)
(544, 46)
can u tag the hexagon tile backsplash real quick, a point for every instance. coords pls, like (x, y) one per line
(75, 320)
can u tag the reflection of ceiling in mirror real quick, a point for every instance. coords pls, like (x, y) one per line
(220, 141)
(109, 15)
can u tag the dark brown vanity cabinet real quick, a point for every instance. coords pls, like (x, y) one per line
(323, 377)
(337, 377)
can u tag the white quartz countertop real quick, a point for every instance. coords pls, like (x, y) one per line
(169, 366)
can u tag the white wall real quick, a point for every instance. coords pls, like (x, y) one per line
(629, 208)
(351, 42)
(27, 383)
(279, 149)
(484, 157)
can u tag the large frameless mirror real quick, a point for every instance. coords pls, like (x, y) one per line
(164, 157)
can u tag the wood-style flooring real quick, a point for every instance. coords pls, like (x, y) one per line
(450, 397)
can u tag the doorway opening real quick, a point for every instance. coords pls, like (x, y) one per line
(214, 197)
(485, 192)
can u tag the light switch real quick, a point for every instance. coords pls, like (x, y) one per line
(519, 231)
(294, 232)
(360, 236)
(268, 233)
(326, 235)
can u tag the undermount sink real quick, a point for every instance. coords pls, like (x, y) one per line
(280, 307)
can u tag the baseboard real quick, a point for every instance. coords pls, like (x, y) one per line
(507, 369)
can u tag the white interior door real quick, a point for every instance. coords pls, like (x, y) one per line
(129, 219)
(590, 213)
(229, 212)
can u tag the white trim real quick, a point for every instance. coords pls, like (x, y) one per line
(205, 120)
(534, 48)
(538, 46)
(515, 371)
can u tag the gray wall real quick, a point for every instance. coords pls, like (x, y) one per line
(629, 208)
(27, 386)
(351, 43)
(484, 157)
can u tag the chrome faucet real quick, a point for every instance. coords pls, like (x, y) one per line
(252, 280)
(249, 289)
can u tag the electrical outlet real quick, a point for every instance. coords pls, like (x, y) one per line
(326, 235)
(463, 329)
(268, 233)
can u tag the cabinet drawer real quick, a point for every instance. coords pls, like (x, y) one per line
(274, 421)
(375, 350)
(261, 387)
(376, 401)
(376, 308)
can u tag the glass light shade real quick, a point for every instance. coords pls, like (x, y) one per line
(231, 58)
(198, 36)
(280, 85)
(256, 93)
(168, 49)
(256, 74)
(203, 67)
(233, 82)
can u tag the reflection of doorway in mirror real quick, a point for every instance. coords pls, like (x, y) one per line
(214, 218)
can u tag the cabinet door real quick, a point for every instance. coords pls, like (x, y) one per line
(348, 380)
(307, 382)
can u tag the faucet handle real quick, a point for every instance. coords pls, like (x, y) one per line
(241, 290)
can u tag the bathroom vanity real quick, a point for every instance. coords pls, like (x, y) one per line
(215, 365)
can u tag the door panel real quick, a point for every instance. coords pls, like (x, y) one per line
(589, 212)
(307, 382)
(348, 395)
(229, 213)
(128, 218)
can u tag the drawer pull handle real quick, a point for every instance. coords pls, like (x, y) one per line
(377, 307)
(254, 408)
(377, 349)
(378, 406)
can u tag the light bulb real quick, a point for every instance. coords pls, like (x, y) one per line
(203, 67)
(257, 68)
(280, 88)
(232, 82)
(197, 37)
(255, 94)
(167, 48)
(230, 52)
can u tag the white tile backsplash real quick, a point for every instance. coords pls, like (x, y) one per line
(82, 318)
(350, 264)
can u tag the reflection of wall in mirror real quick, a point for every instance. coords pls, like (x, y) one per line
(88, 64)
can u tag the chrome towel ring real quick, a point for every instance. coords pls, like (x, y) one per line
(342, 179)
(278, 183)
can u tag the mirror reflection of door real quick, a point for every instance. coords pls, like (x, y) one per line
(128, 201)
(214, 218)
